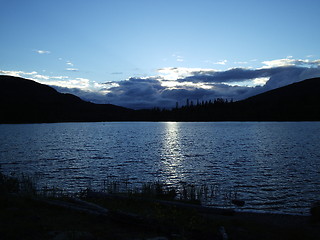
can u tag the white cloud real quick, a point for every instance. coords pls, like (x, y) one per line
(17, 73)
(241, 62)
(72, 69)
(221, 62)
(59, 77)
(66, 82)
(69, 63)
(285, 62)
(279, 63)
(260, 81)
(170, 73)
(178, 58)
(39, 76)
(173, 73)
(42, 51)
(184, 85)
(60, 81)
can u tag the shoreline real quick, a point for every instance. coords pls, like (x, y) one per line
(118, 186)
(140, 219)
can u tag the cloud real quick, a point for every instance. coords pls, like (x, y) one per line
(289, 61)
(244, 62)
(17, 73)
(42, 51)
(285, 71)
(69, 63)
(116, 73)
(221, 62)
(136, 92)
(178, 58)
(139, 93)
(57, 81)
(179, 84)
(174, 84)
(67, 82)
(72, 69)
(174, 73)
(230, 75)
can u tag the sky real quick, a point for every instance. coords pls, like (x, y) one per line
(147, 53)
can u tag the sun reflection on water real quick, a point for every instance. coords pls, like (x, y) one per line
(172, 156)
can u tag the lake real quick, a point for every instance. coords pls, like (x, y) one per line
(272, 166)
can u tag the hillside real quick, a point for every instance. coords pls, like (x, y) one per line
(26, 101)
(296, 102)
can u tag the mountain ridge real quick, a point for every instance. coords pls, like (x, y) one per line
(297, 101)
(23, 101)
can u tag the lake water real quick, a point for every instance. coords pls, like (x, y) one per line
(273, 166)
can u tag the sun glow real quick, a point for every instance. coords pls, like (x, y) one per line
(184, 85)
(173, 73)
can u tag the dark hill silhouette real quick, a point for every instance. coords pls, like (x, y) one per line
(296, 102)
(23, 100)
(304, 90)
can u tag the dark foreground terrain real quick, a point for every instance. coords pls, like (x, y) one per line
(27, 217)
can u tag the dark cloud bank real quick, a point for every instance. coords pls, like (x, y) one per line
(139, 93)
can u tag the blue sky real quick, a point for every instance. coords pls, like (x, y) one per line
(145, 53)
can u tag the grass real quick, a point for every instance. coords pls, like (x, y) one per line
(23, 216)
(204, 194)
(188, 193)
(8, 184)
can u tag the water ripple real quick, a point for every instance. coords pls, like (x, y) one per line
(272, 166)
